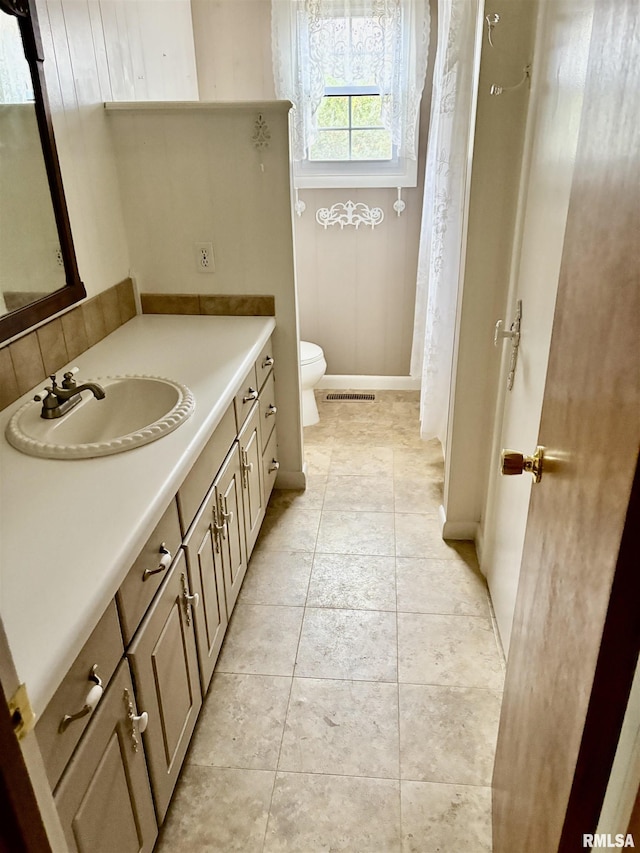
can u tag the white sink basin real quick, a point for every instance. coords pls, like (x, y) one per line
(135, 411)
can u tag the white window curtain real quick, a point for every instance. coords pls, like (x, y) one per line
(382, 43)
(444, 211)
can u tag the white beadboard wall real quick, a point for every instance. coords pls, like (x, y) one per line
(356, 289)
(94, 52)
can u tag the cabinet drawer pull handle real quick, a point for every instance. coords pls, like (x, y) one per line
(93, 697)
(137, 722)
(188, 600)
(228, 517)
(273, 466)
(247, 466)
(252, 395)
(268, 362)
(271, 410)
(163, 565)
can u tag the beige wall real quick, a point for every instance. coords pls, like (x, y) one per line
(193, 174)
(356, 289)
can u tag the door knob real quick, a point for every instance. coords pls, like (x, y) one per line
(513, 462)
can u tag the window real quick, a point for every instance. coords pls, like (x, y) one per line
(354, 71)
(350, 126)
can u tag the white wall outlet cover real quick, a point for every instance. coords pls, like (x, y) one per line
(204, 257)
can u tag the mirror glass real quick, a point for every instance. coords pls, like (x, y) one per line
(31, 260)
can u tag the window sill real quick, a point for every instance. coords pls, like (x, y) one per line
(341, 175)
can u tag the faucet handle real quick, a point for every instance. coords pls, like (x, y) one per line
(69, 381)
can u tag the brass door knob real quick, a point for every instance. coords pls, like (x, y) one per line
(513, 462)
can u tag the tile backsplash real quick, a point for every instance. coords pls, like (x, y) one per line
(30, 359)
(200, 303)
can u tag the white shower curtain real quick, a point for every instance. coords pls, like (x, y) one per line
(444, 210)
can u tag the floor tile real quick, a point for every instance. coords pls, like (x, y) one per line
(362, 461)
(312, 497)
(349, 728)
(360, 644)
(420, 536)
(277, 577)
(352, 581)
(360, 494)
(261, 639)
(289, 529)
(428, 585)
(217, 810)
(448, 734)
(417, 494)
(346, 532)
(242, 722)
(439, 818)
(311, 813)
(317, 458)
(460, 651)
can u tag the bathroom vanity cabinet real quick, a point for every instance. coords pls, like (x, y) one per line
(137, 687)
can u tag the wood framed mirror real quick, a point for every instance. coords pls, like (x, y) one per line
(38, 269)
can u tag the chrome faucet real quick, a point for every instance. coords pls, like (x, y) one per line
(61, 399)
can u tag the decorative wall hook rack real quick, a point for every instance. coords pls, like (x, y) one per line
(349, 213)
(500, 90)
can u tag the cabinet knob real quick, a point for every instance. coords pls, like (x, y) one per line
(137, 722)
(252, 395)
(268, 361)
(273, 466)
(271, 410)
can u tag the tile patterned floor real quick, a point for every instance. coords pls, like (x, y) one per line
(356, 698)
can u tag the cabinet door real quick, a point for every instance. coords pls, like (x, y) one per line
(251, 458)
(204, 563)
(165, 669)
(103, 799)
(228, 485)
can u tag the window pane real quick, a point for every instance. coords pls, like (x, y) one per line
(365, 111)
(371, 145)
(330, 145)
(334, 112)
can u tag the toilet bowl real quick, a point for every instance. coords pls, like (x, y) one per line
(312, 369)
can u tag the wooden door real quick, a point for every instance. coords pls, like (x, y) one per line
(251, 456)
(103, 798)
(204, 562)
(228, 486)
(576, 633)
(164, 662)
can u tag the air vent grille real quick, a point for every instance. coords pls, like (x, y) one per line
(334, 397)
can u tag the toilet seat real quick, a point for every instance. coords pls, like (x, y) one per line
(310, 353)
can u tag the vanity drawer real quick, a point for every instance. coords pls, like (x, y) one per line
(264, 363)
(246, 397)
(103, 650)
(198, 481)
(270, 465)
(147, 573)
(268, 410)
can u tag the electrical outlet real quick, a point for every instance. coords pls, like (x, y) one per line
(204, 257)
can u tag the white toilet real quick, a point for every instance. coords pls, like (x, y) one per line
(312, 369)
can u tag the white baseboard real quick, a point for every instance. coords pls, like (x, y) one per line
(291, 479)
(343, 382)
(462, 530)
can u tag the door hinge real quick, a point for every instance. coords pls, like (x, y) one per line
(23, 717)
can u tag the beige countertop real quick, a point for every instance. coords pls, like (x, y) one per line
(70, 529)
